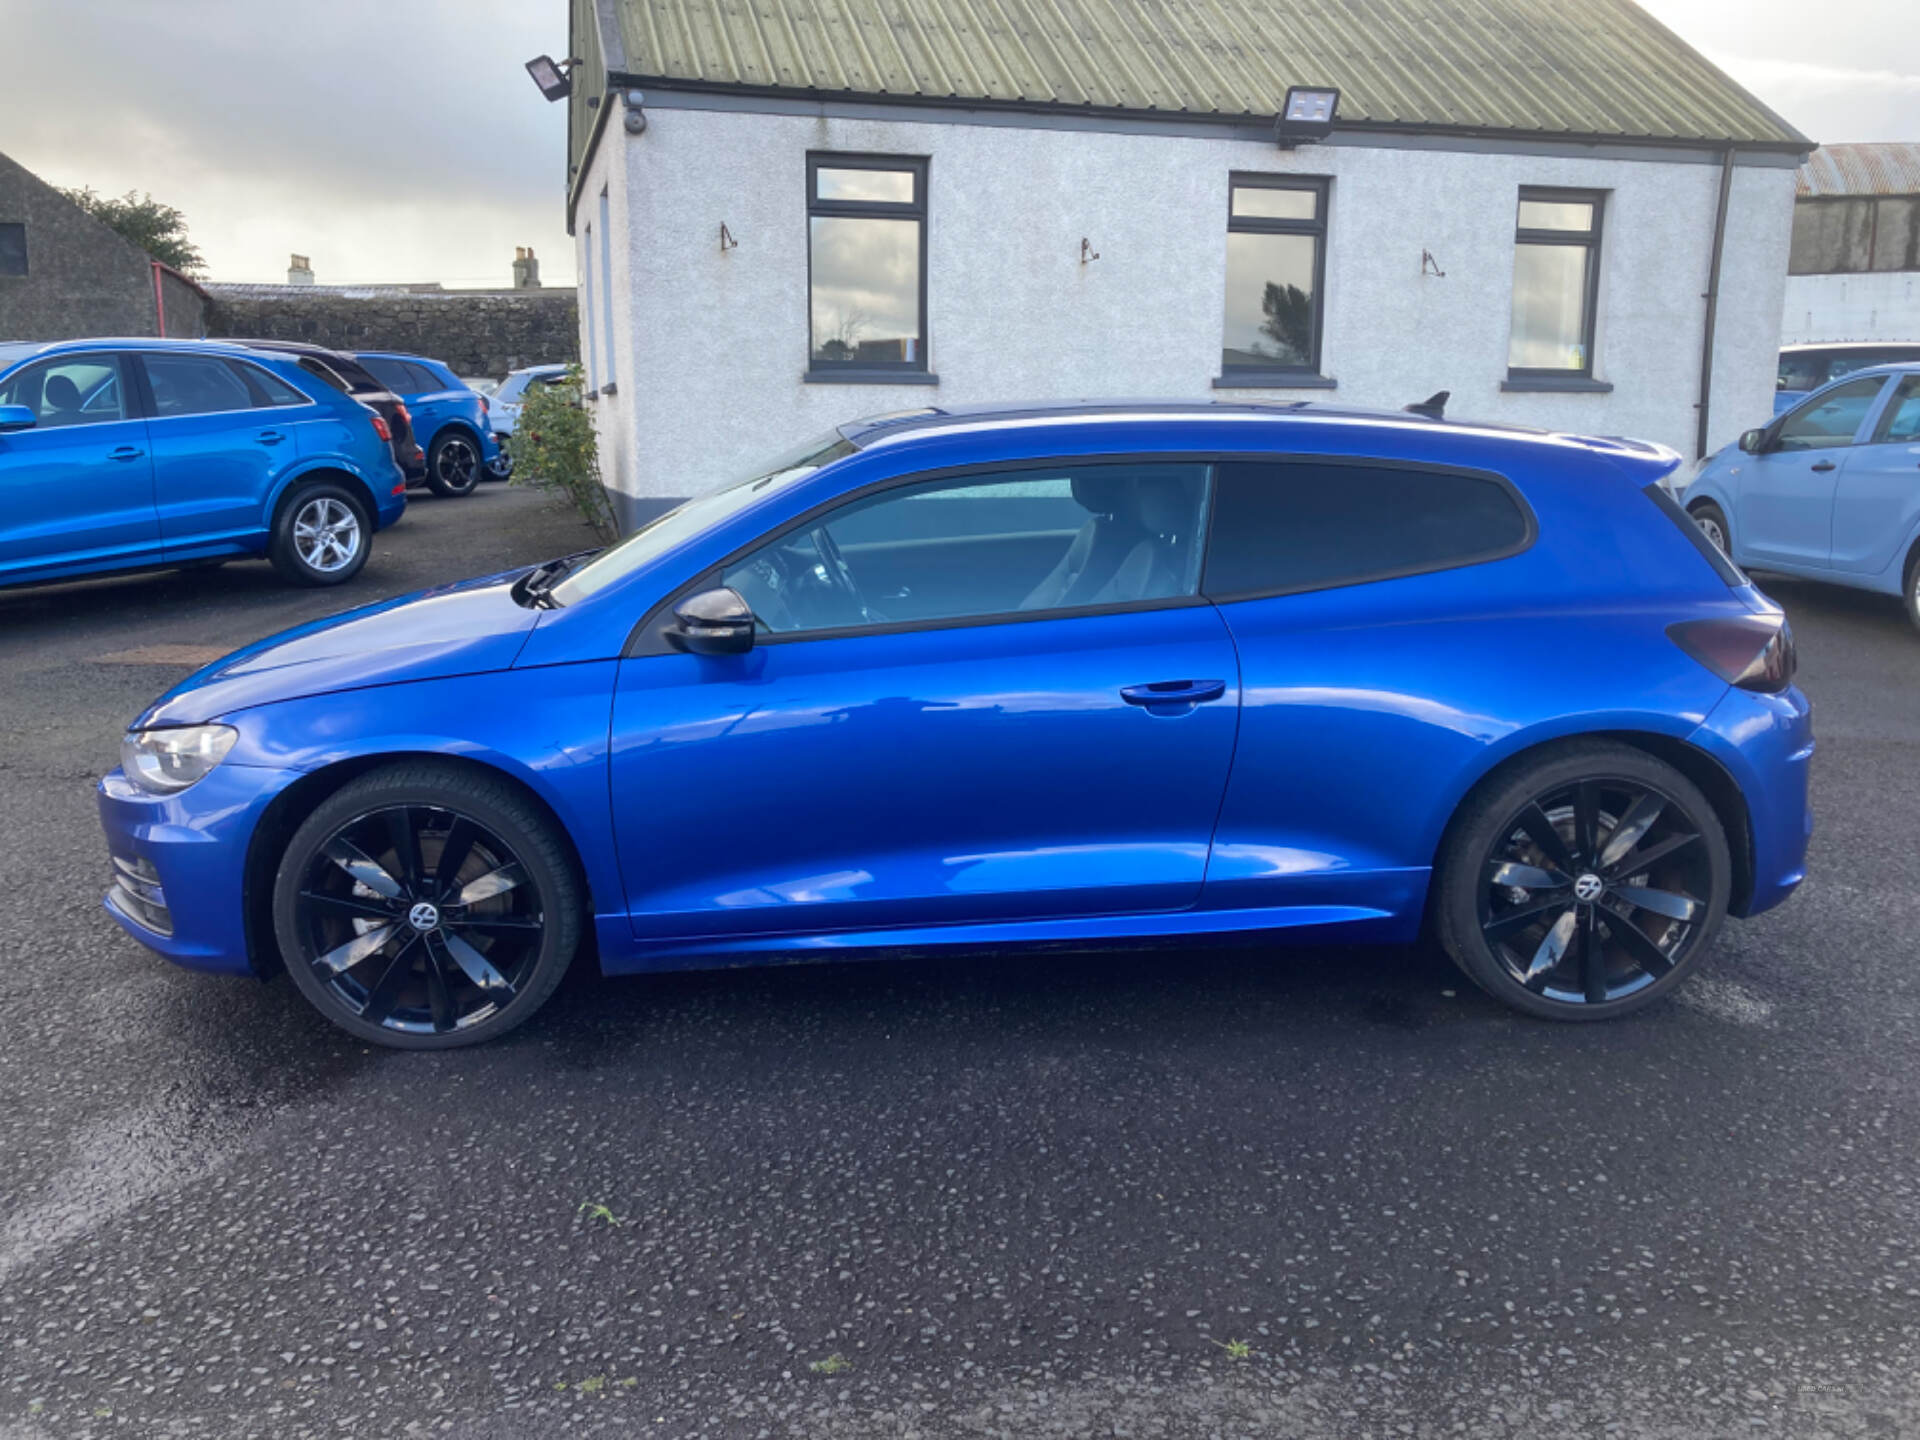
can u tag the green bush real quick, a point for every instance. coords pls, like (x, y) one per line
(554, 448)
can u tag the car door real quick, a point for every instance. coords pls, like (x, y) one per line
(1784, 508)
(218, 451)
(1386, 615)
(990, 697)
(1876, 503)
(76, 488)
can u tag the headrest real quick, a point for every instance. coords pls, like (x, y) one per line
(60, 393)
(1104, 493)
(1164, 502)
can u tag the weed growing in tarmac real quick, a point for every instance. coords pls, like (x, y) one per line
(601, 1213)
(834, 1364)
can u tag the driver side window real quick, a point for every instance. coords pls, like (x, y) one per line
(68, 390)
(1831, 419)
(1018, 541)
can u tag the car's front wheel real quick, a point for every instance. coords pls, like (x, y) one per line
(321, 535)
(1584, 883)
(1913, 587)
(425, 906)
(453, 464)
(1713, 524)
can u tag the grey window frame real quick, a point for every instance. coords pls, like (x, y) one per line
(1890, 403)
(1777, 430)
(1321, 187)
(903, 372)
(26, 259)
(153, 403)
(1589, 240)
(247, 370)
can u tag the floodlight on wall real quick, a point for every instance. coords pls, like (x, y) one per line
(554, 77)
(1307, 116)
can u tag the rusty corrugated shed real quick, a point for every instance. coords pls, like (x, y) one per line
(1892, 168)
(1600, 68)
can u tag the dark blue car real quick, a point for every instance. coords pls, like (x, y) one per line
(449, 420)
(136, 454)
(1042, 677)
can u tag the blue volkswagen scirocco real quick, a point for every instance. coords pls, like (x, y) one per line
(1083, 674)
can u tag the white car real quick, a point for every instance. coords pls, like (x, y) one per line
(506, 401)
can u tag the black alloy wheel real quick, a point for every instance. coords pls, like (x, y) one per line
(453, 466)
(1586, 887)
(419, 916)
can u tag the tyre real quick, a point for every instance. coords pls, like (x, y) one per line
(1582, 884)
(1911, 588)
(453, 464)
(1713, 523)
(321, 534)
(425, 906)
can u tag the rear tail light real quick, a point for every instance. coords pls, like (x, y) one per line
(1754, 652)
(380, 429)
(485, 409)
(403, 413)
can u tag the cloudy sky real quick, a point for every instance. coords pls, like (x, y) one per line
(401, 140)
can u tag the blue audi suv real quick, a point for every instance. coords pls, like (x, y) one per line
(450, 419)
(144, 454)
(1008, 677)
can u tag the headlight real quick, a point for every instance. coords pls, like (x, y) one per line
(167, 760)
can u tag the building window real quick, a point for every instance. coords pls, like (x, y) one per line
(1556, 280)
(867, 268)
(586, 310)
(1276, 266)
(606, 295)
(13, 248)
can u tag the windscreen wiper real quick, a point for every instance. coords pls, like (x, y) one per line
(536, 586)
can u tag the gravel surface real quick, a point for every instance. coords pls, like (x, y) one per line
(1176, 1192)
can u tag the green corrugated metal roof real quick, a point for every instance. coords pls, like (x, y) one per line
(1555, 67)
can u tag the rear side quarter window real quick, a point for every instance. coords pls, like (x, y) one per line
(1283, 526)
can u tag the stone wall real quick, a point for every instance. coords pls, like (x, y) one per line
(82, 278)
(475, 332)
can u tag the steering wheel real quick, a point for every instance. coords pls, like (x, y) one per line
(838, 574)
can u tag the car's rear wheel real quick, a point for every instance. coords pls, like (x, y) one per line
(1713, 524)
(425, 906)
(321, 535)
(453, 464)
(1913, 587)
(1583, 884)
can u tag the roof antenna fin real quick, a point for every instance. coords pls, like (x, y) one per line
(1434, 407)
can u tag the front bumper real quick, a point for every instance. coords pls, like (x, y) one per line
(1765, 742)
(179, 862)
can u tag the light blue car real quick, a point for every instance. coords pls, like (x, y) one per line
(512, 394)
(1829, 490)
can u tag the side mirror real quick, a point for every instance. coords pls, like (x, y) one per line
(1752, 441)
(17, 417)
(714, 622)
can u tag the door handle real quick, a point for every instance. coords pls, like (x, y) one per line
(270, 437)
(1174, 692)
(1823, 464)
(126, 452)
